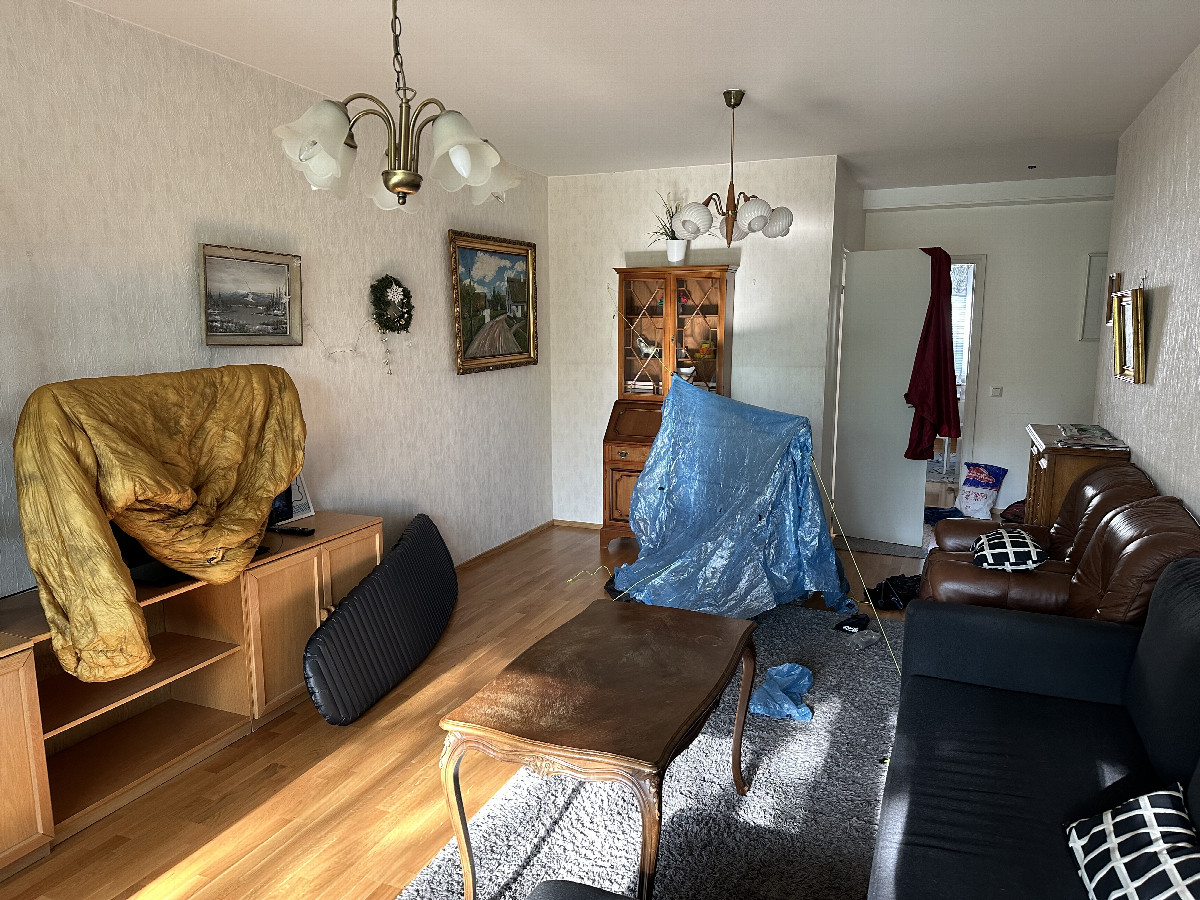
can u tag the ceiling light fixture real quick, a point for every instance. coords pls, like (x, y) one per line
(320, 144)
(743, 213)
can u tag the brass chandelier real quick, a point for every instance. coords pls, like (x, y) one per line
(320, 144)
(742, 213)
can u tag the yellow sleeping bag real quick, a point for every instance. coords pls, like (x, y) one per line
(185, 462)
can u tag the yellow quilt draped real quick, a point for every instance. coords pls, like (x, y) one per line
(185, 462)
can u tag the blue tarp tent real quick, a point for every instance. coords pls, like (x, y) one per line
(727, 511)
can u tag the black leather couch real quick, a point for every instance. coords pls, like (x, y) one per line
(1013, 724)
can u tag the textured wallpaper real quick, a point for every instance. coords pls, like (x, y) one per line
(1156, 234)
(130, 150)
(781, 307)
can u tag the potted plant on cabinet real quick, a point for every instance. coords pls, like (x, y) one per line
(665, 230)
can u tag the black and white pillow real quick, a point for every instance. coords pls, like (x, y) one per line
(1010, 549)
(1145, 847)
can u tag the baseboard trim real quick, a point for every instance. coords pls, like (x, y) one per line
(500, 548)
(567, 523)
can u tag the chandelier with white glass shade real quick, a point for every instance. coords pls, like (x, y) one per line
(320, 144)
(742, 214)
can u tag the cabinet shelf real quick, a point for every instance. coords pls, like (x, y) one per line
(136, 752)
(66, 701)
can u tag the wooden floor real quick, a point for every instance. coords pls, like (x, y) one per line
(303, 809)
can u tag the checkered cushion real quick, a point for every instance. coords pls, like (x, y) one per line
(1010, 549)
(1146, 847)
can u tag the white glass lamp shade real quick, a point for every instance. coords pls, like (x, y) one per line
(385, 199)
(718, 230)
(503, 177)
(460, 156)
(316, 145)
(692, 221)
(753, 214)
(779, 223)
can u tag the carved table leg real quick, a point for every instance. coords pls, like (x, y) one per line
(648, 790)
(452, 754)
(748, 661)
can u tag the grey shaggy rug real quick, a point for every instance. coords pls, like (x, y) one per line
(805, 830)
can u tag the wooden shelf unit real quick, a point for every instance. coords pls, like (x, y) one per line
(92, 748)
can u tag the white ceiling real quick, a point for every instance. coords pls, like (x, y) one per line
(915, 92)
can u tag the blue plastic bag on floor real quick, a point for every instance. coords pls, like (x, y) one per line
(780, 694)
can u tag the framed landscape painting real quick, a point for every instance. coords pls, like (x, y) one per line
(495, 302)
(250, 296)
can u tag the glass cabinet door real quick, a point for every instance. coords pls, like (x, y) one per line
(642, 337)
(698, 344)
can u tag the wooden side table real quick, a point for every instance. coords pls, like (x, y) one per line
(1052, 469)
(614, 694)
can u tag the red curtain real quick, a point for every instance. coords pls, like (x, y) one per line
(931, 389)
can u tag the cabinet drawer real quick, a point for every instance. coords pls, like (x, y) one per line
(626, 453)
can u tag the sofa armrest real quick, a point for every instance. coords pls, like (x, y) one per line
(1056, 656)
(958, 535)
(950, 580)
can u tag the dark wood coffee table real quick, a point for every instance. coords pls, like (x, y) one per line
(614, 694)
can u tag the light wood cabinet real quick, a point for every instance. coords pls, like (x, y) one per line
(1052, 469)
(227, 658)
(287, 599)
(25, 819)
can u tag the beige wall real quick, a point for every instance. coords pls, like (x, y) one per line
(1156, 234)
(600, 222)
(1037, 258)
(125, 150)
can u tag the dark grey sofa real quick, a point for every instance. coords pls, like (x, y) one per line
(1012, 724)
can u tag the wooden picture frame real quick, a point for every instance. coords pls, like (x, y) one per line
(250, 297)
(1129, 336)
(493, 281)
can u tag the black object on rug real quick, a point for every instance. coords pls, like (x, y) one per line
(806, 828)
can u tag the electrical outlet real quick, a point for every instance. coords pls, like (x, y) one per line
(997, 391)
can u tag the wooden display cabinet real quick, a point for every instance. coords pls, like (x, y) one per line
(1052, 469)
(674, 320)
(227, 657)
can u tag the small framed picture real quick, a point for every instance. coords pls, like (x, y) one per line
(1096, 297)
(302, 506)
(495, 302)
(1129, 336)
(250, 296)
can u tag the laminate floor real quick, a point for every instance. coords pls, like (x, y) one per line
(302, 809)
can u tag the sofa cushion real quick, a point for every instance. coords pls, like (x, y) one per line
(1125, 557)
(384, 627)
(570, 890)
(1010, 549)
(980, 784)
(1143, 848)
(1162, 691)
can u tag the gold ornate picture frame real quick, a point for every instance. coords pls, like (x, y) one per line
(1129, 336)
(495, 302)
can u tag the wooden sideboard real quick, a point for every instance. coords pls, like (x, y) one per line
(1052, 469)
(227, 659)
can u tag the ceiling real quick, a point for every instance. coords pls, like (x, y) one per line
(917, 92)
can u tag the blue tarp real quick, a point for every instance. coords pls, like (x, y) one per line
(727, 511)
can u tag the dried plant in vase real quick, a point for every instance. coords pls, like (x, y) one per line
(665, 231)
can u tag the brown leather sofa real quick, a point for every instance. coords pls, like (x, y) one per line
(1091, 497)
(1112, 581)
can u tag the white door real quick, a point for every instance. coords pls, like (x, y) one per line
(877, 492)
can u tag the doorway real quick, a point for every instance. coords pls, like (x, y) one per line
(944, 472)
